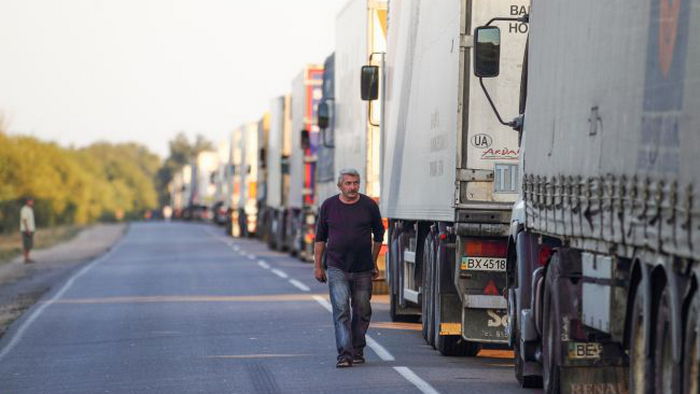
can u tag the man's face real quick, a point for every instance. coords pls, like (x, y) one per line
(350, 186)
(30, 203)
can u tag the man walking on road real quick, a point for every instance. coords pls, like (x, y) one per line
(346, 224)
(27, 227)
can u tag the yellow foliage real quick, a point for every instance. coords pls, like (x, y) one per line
(75, 185)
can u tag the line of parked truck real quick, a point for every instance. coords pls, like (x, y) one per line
(568, 231)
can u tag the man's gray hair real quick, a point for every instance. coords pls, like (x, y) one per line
(347, 171)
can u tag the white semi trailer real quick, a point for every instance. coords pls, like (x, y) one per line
(277, 154)
(351, 134)
(604, 261)
(263, 224)
(245, 169)
(449, 171)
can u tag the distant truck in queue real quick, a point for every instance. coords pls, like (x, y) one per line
(277, 153)
(300, 216)
(603, 262)
(244, 154)
(448, 173)
(263, 225)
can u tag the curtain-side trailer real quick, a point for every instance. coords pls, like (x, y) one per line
(603, 266)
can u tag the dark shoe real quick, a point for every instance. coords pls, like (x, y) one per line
(358, 359)
(344, 363)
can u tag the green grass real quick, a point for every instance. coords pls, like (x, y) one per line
(11, 244)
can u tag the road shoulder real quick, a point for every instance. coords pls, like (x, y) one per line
(21, 285)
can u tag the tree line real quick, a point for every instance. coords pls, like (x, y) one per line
(100, 182)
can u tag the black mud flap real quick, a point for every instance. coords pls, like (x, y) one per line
(485, 325)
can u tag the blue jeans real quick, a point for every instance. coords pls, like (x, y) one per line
(350, 290)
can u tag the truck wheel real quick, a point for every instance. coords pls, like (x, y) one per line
(638, 340)
(691, 358)
(428, 292)
(452, 345)
(667, 377)
(550, 340)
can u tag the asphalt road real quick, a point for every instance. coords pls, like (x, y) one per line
(180, 308)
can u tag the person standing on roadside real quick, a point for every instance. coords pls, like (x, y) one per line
(27, 227)
(350, 232)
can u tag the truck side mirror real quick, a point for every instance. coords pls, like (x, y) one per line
(305, 140)
(487, 51)
(323, 115)
(370, 83)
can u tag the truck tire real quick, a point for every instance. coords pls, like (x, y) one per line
(691, 352)
(428, 292)
(667, 375)
(551, 340)
(638, 341)
(452, 345)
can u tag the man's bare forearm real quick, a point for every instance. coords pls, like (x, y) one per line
(319, 248)
(376, 247)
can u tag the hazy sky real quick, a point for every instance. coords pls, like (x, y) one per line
(78, 71)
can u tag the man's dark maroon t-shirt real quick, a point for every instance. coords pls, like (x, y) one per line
(347, 230)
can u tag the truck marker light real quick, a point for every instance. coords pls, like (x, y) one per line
(485, 248)
(443, 236)
(450, 329)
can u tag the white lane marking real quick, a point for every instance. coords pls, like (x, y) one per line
(381, 352)
(264, 264)
(374, 345)
(421, 384)
(250, 256)
(299, 285)
(379, 349)
(324, 303)
(19, 334)
(279, 273)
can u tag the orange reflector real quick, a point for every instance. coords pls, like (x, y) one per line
(491, 288)
(485, 248)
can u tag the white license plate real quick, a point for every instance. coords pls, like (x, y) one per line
(585, 350)
(483, 264)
